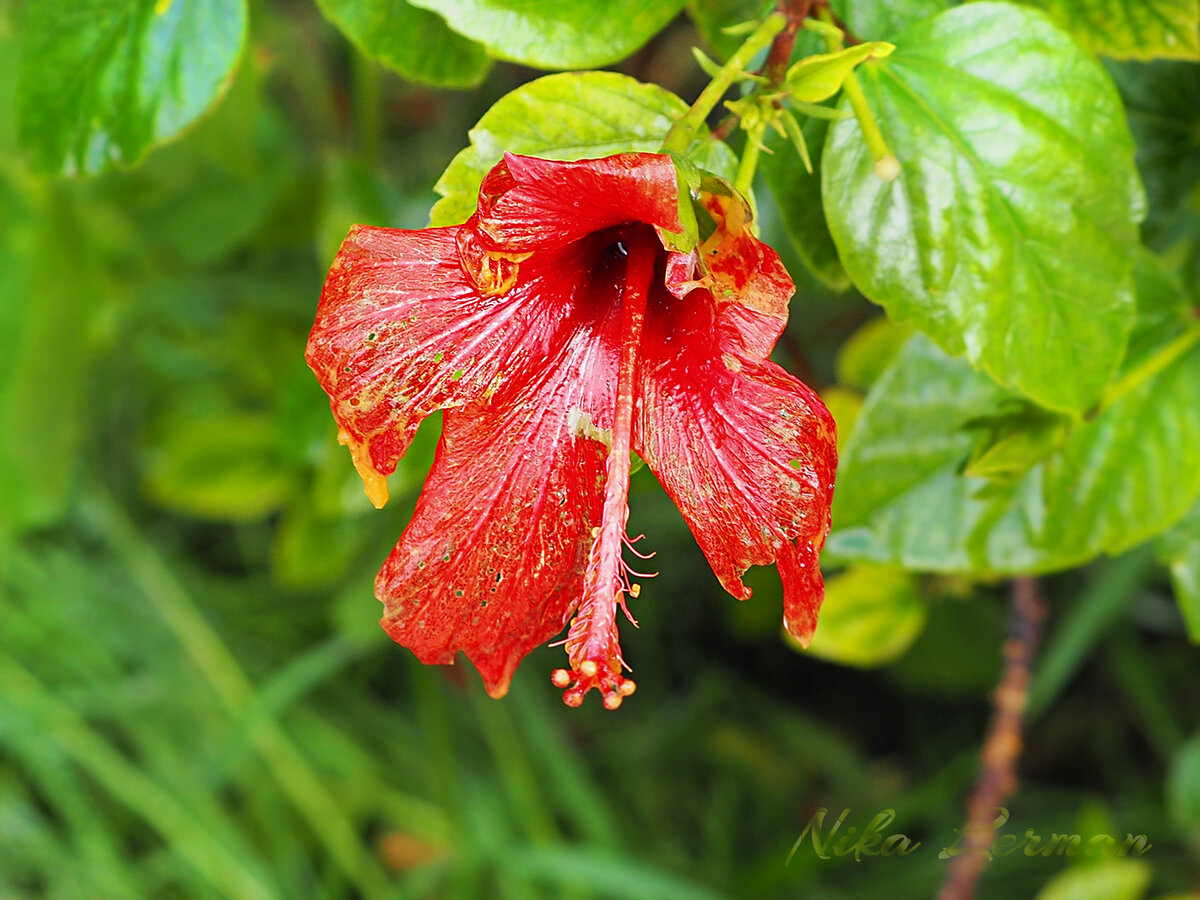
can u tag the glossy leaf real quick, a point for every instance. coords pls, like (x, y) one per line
(1180, 549)
(881, 21)
(557, 34)
(870, 617)
(103, 81)
(414, 42)
(1130, 29)
(712, 17)
(1118, 480)
(573, 116)
(1010, 232)
(797, 195)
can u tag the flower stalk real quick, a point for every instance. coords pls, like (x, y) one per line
(684, 131)
(887, 167)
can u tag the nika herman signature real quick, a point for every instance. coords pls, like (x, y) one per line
(875, 838)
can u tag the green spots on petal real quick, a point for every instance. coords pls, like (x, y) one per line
(795, 464)
(457, 375)
(437, 357)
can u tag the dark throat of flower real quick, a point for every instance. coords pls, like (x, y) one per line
(592, 642)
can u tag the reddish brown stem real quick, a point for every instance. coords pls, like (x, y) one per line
(998, 774)
(780, 53)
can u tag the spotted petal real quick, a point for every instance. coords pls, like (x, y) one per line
(746, 451)
(492, 562)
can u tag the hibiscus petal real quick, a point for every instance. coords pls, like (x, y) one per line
(492, 562)
(402, 331)
(527, 203)
(745, 277)
(746, 451)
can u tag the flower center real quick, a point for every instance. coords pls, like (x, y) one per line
(592, 642)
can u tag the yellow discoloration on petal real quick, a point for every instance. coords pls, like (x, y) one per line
(374, 482)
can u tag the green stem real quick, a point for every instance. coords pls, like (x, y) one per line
(887, 167)
(684, 131)
(1143, 372)
(749, 160)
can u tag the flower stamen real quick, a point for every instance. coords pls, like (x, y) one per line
(592, 642)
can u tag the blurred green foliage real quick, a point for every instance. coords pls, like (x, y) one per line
(195, 700)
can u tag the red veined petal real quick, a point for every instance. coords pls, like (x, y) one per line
(746, 278)
(493, 560)
(529, 204)
(402, 330)
(746, 451)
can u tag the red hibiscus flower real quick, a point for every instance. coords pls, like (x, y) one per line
(560, 332)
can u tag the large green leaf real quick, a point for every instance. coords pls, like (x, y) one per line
(797, 194)
(1130, 29)
(1117, 480)
(1180, 549)
(414, 42)
(881, 20)
(1009, 233)
(557, 34)
(568, 116)
(102, 81)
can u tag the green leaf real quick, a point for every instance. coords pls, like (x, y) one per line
(1113, 879)
(880, 20)
(712, 17)
(797, 196)
(223, 466)
(1130, 29)
(102, 81)
(871, 615)
(1015, 250)
(569, 116)
(1183, 786)
(1180, 549)
(1014, 441)
(1162, 100)
(414, 42)
(1117, 480)
(869, 351)
(820, 76)
(557, 34)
